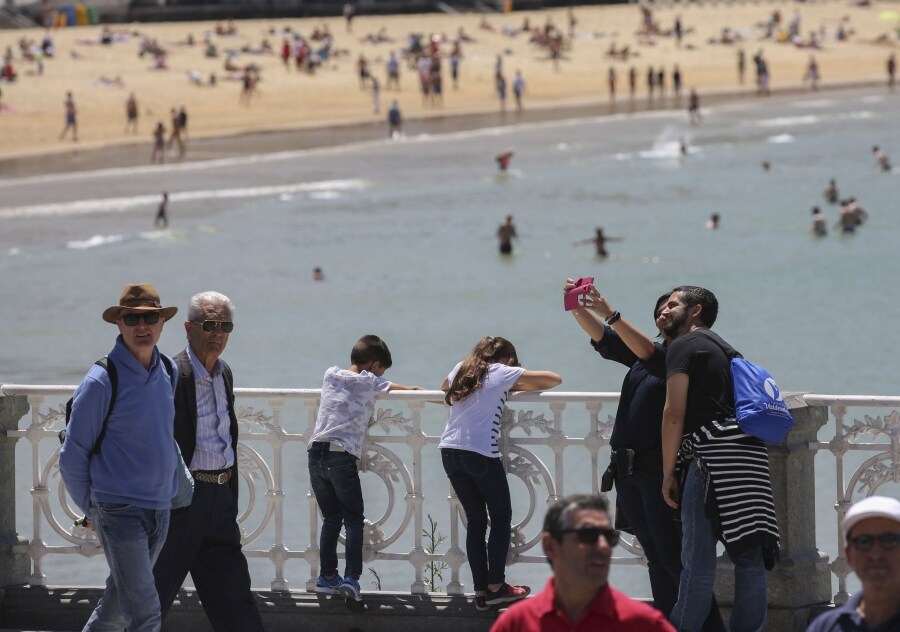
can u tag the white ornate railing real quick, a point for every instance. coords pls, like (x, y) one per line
(547, 440)
(880, 457)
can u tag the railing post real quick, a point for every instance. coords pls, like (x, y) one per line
(15, 565)
(800, 579)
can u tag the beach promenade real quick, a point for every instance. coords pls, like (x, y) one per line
(850, 44)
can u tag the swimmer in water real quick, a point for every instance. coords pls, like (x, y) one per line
(599, 240)
(882, 158)
(819, 227)
(831, 192)
(506, 232)
(713, 222)
(503, 160)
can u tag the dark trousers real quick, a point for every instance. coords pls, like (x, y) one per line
(334, 477)
(653, 522)
(482, 489)
(204, 539)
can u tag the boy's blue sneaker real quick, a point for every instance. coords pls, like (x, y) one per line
(329, 586)
(350, 589)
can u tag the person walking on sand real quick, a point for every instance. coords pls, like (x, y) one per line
(611, 82)
(891, 70)
(376, 94)
(162, 213)
(518, 89)
(476, 392)
(694, 115)
(741, 65)
(395, 120)
(506, 232)
(71, 118)
(501, 91)
(632, 83)
(651, 81)
(175, 137)
(131, 114)
(812, 73)
(159, 144)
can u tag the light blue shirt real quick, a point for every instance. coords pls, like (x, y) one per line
(213, 450)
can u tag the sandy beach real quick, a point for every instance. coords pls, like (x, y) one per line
(102, 76)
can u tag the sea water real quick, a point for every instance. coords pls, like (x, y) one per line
(405, 232)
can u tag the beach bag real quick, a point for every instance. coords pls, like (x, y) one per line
(759, 408)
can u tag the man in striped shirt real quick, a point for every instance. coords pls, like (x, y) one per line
(204, 539)
(719, 474)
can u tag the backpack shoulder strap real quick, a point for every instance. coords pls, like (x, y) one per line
(110, 367)
(170, 368)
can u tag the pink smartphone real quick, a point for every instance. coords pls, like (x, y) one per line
(577, 296)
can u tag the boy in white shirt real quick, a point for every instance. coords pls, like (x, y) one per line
(336, 445)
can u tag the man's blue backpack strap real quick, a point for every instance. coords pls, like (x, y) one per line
(110, 367)
(758, 405)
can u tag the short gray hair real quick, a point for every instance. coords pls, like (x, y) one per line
(559, 516)
(195, 307)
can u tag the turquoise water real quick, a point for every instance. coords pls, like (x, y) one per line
(405, 234)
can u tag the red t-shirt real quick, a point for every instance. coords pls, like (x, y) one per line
(611, 610)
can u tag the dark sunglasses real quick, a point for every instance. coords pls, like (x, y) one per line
(150, 318)
(589, 535)
(211, 325)
(886, 541)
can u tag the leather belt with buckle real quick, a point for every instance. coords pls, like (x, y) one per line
(219, 478)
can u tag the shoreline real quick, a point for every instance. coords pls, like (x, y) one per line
(325, 135)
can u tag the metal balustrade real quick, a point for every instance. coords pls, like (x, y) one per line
(547, 440)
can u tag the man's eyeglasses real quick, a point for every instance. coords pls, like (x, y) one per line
(886, 541)
(589, 535)
(150, 318)
(209, 326)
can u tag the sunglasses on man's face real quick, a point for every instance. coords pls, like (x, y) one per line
(150, 318)
(590, 535)
(886, 541)
(210, 326)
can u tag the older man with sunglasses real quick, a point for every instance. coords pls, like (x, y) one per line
(578, 540)
(204, 539)
(126, 485)
(872, 528)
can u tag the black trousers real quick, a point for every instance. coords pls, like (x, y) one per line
(204, 539)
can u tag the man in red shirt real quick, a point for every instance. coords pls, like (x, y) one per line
(578, 540)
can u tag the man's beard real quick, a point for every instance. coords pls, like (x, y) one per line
(674, 326)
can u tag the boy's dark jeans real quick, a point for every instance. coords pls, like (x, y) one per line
(335, 482)
(481, 487)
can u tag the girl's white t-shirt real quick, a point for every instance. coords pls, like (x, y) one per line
(474, 422)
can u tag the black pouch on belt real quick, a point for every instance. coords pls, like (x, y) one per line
(606, 481)
(624, 460)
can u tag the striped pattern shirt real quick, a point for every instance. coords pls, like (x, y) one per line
(214, 450)
(738, 489)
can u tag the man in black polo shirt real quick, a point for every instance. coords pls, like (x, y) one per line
(720, 474)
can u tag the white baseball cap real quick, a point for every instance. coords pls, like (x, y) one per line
(872, 507)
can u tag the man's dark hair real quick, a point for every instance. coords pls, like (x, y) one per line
(559, 516)
(707, 301)
(370, 349)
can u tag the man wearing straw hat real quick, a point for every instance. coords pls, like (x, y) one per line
(126, 485)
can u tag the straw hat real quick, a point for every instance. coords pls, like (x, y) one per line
(138, 297)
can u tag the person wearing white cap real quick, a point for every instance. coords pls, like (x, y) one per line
(872, 529)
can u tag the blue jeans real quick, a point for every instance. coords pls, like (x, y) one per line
(653, 522)
(698, 554)
(482, 489)
(335, 481)
(132, 538)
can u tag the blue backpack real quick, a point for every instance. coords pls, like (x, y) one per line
(758, 405)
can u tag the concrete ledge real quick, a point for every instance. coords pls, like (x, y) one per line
(63, 609)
